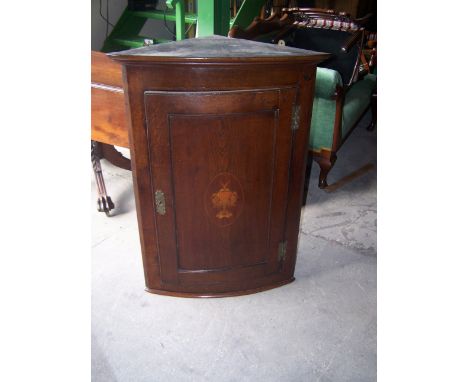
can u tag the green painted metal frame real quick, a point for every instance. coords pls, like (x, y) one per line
(125, 34)
(179, 7)
(213, 17)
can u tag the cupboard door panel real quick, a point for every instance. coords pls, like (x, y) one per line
(221, 161)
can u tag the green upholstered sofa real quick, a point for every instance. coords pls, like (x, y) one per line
(344, 89)
(337, 111)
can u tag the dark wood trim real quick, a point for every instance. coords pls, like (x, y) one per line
(221, 294)
(339, 96)
(353, 40)
(325, 11)
(142, 61)
(259, 27)
(364, 20)
(314, 12)
(355, 76)
(329, 14)
(340, 142)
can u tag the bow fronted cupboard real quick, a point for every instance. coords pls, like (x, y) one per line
(218, 131)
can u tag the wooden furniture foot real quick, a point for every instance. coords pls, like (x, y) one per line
(325, 167)
(104, 202)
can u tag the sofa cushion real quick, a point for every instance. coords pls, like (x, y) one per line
(326, 81)
(357, 99)
(323, 115)
(323, 119)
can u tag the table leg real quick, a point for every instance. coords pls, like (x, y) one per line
(104, 201)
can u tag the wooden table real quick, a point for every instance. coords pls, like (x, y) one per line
(108, 121)
(218, 134)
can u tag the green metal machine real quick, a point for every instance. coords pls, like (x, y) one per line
(212, 17)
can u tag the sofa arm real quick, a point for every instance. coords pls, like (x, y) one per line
(326, 81)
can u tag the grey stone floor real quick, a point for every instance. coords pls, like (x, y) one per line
(322, 327)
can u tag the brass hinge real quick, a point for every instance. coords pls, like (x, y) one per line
(296, 111)
(282, 250)
(160, 202)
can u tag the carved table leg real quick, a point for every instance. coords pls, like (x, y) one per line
(104, 201)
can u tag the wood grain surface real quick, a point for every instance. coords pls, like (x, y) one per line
(108, 119)
(218, 165)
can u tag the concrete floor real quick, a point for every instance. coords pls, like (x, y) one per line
(322, 327)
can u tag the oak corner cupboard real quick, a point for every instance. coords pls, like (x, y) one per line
(218, 131)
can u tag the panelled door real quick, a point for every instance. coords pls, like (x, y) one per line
(220, 171)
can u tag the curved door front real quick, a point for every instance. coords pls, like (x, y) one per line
(219, 165)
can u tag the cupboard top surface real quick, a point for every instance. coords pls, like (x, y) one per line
(217, 49)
